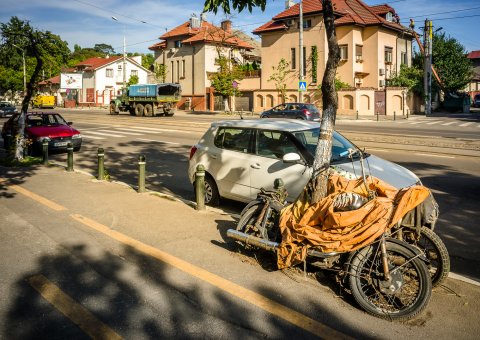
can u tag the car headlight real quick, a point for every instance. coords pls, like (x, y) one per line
(77, 136)
(43, 139)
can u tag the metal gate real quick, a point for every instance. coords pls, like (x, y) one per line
(218, 104)
(380, 103)
(242, 104)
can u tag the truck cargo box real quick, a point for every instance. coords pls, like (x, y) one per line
(142, 90)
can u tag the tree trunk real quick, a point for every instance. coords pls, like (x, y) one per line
(321, 164)
(225, 103)
(21, 140)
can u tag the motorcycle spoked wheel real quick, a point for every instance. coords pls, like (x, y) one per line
(435, 251)
(410, 285)
(247, 221)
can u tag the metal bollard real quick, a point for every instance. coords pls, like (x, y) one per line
(357, 114)
(200, 187)
(70, 157)
(407, 113)
(141, 173)
(101, 156)
(394, 115)
(377, 116)
(45, 152)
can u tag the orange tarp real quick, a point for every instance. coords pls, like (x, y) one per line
(303, 226)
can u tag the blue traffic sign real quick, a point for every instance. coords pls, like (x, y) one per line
(302, 86)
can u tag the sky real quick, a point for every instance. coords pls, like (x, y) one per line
(142, 22)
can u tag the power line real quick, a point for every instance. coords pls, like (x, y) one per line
(460, 10)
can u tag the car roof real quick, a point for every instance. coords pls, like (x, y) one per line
(269, 124)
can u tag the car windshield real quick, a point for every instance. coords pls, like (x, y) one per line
(45, 120)
(341, 147)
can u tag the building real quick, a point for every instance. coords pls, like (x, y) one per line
(189, 53)
(373, 46)
(474, 86)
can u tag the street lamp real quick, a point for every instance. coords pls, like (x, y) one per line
(24, 70)
(124, 71)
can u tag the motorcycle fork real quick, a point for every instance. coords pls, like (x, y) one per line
(261, 220)
(383, 251)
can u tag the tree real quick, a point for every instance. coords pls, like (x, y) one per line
(44, 48)
(160, 72)
(318, 183)
(225, 80)
(132, 80)
(147, 60)
(104, 48)
(279, 77)
(451, 62)
(409, 77)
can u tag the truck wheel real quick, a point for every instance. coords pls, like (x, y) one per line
(148, 110)
(139, 110)
(112, 108)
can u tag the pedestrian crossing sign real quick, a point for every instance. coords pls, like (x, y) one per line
(302, 86)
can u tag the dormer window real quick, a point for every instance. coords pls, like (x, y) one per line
(389, 16)
(178, 43)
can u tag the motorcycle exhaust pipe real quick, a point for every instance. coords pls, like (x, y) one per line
(252, 240)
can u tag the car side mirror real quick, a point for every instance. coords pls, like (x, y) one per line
(292, 157)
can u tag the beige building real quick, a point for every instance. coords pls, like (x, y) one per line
(373, 46)
(190, 51)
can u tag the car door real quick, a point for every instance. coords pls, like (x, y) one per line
(266, 164)
(290, 111)
(228, 162)
(278, 111)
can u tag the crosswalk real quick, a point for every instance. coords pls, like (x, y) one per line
(122, 132)
(444, 122)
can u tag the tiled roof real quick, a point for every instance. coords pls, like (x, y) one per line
(157, 46)
(97, 62)
(349, 12)
(206, 33)
(474, 55)
(53, 80)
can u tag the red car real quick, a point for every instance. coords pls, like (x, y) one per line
(40, 127)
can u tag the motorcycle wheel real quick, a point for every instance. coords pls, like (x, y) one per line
(435, 251)
(405, 296)
(247, 221)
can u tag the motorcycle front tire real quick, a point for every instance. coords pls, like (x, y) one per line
(366, 280)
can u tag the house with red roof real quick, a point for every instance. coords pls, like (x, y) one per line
(102, 79)
(373, 45)
(474, 86)
(189, 52)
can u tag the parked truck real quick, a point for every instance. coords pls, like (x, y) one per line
(147, 99)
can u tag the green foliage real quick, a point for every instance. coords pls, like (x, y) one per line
(409, 77)
(450, 60)
(133, 80)
(224, 80)
(239, 5)
(314, 57)
(279, 77)
(160, 72)
(81, 54)
(104, 49)
(341, 85)
(148, 60)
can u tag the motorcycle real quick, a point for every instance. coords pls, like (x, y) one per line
(388, 277)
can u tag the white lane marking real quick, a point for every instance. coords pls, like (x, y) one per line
(91, 137)
(449, 123)
(420, 122)
(157, 141)
(433, 155)
(436, 122)
(105, 134)
(466, 124)
(134, 130)
(156, 129)
(123, 132)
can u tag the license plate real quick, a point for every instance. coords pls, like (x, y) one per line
(61, 144)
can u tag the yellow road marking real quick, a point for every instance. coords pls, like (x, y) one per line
(238, 291)
(38, 198)
(72, 309)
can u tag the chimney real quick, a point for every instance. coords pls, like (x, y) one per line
(289, 3)
(227, 26)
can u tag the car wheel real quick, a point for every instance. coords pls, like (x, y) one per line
(77, 148)
(212, 197)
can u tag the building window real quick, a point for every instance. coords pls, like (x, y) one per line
(109, 72)
(358, 53)
(178, 71)
(173, 74)
(343, 52)
(306, 23)
(293, 62)
(388, 55)
(403, 58)
(304, 61)
(178, 43)
(183, 69)
(134, 73)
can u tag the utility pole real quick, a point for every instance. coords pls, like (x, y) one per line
(300, 48)
(124, 70)
(427, 72)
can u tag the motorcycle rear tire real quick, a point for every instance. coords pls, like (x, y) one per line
(366, 276)
(436, 252)
(249, 218)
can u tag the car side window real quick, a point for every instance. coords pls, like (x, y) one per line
(273, 144)
(234, 139)
(279, 107)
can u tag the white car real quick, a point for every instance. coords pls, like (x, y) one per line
(242, 156)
